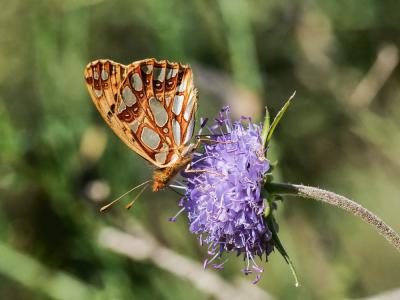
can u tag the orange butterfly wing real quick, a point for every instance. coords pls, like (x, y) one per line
(149, 104)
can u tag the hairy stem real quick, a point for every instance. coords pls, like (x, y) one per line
(339, 201)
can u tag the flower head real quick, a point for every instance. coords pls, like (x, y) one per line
(223, 198)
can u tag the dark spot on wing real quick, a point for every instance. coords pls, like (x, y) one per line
(89, 80)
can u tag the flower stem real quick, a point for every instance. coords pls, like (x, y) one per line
(339, 201)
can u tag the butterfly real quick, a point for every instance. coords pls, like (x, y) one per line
(151, 106)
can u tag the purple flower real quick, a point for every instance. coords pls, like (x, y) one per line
(223, 199)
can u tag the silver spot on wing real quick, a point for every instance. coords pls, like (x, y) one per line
(159, 74)
(136, 82)
(159, 113)
(134, 125)
(128, 96)
(176, 129)
(104, 75)
(182, 86)
(189, 132)
(189, 106)
(178, 102)
(162, 155)
(147, 68)
(167, 100)
(150, 138)
(98, 93)
(169, 73)
(121, 107)
(95, 75)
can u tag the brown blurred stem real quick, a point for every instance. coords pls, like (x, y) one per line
(338, 201)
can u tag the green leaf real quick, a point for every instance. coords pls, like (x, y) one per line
(266, 125)
(267, 209)
(275, 122)
(278, 245)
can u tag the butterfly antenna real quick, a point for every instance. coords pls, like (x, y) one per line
(123, 195)
(128, 206)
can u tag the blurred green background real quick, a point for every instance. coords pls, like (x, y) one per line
(59, 163)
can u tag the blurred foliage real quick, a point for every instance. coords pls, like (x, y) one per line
(59, 163)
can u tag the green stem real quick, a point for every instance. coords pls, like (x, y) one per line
(338, 201)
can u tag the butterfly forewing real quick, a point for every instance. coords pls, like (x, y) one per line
(149, 104)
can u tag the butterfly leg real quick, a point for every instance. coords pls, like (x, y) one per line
(188, 170)
(201, 139)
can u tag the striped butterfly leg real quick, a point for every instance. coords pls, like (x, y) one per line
(188, 170)
(200, 140)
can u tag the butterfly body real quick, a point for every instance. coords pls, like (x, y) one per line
(151, 106)
(161, 177)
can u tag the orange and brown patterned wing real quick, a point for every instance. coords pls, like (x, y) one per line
(149, 104)
(103, 80)
(170, 108)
